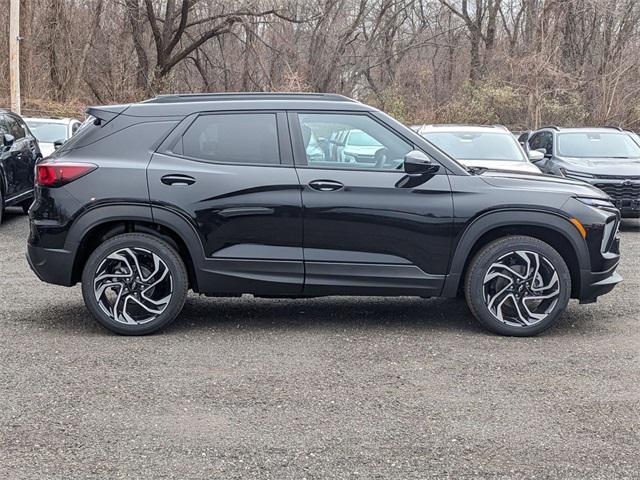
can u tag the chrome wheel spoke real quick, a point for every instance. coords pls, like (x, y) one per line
(521, 288)
(133, 286)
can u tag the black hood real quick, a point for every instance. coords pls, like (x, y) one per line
(543, 183)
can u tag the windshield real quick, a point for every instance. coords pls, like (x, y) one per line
(357, 138)
(477, 146)
(597, 145)
(48, 132)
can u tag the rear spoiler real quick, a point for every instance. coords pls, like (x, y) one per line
(105, 114)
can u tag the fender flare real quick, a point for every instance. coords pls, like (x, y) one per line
(505, 218)
(99, 215)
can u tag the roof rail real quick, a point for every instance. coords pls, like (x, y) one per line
(620, 129)
(462, 125)
(550, 126)
(207, 97)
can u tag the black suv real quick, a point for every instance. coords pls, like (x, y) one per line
(227, 194)
(608, 158)
(18, 156)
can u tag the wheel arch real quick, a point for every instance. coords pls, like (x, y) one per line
(551, 228)
(101, 223)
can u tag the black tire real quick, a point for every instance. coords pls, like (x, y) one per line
(476, 281)
(143, 242)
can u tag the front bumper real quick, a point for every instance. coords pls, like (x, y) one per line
(51, 265)
(595, 284)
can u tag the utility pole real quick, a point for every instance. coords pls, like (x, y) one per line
(14, 54)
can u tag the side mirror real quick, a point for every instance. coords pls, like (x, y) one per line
(8, 140)
(544, 152)
(536, 155)
(57, 144)
(418, 163)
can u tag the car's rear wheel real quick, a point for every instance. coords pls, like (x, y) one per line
(134, 284)
(517, 286)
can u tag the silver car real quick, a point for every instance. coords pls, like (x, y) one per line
(491, 146)
(51, 132)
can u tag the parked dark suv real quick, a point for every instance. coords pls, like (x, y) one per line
(608, 158)
(19, 153)
(232, 194)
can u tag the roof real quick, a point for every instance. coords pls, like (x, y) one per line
(212, 97)
(605, 129)
(187, 104)
(463, 128)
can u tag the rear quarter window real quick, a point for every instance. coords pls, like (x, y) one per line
(246, 138)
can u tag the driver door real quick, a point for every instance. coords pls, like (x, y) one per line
(368, 227)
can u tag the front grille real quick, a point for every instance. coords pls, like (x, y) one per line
(620, 191)
(618, 177)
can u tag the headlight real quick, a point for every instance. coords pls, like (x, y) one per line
(596, 202)
(571, 173)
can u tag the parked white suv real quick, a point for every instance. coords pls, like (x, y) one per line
(52, 131)
(491, 146)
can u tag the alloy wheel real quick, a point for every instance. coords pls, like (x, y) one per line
(521, 288)
(133, 286)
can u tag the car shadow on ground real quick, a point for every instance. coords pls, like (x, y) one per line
(308, 315)
(12, 214)
(327, 312)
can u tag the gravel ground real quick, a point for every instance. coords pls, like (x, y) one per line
(330, 388)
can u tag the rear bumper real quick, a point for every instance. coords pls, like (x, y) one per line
(51, 265)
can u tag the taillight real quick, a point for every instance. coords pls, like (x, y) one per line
(60, 173)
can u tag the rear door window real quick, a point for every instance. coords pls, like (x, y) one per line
(243, 138)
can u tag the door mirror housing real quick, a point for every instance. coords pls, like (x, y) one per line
(544, 152)
(7, 140)
(535, 155)
(418, 163)
(57, 144)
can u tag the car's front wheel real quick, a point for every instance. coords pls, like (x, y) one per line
(134, 284)
(517, 286)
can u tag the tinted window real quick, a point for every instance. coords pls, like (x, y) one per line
(233, 138)
(327, 139)
(477, 145)
(542, 140)
(597, 145)
(14, 127)
(3, 126)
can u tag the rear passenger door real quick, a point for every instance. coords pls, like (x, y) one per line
(231, 174)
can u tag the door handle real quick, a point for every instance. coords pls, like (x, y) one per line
(178, 179)
(326, 185)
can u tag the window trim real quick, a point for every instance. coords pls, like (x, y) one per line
(300, 156)
(285, 156)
